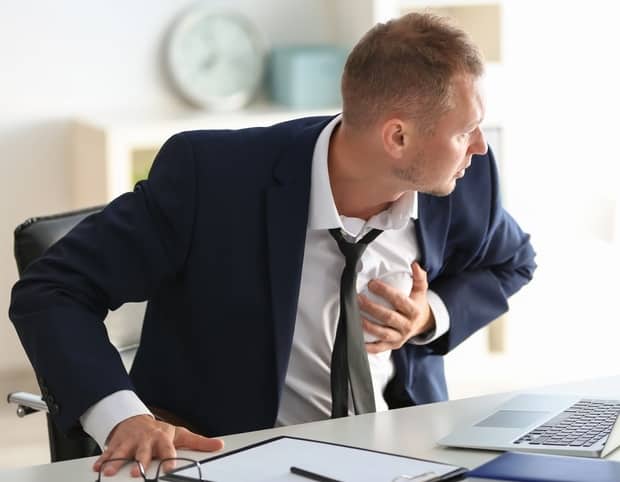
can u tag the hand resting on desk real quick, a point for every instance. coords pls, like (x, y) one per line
(401, 318)
(144, 438)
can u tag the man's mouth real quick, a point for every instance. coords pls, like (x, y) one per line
(461, 172)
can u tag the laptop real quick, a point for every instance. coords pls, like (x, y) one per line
(553, 424)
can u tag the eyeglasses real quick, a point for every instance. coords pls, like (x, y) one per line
(192, 471)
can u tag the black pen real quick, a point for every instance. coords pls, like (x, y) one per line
(312, 475)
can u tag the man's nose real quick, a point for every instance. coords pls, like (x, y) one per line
(479, 144)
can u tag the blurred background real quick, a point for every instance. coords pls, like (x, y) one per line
(90, 90)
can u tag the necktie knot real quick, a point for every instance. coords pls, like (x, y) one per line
(353, 251)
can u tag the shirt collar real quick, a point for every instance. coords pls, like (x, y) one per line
(323, 213)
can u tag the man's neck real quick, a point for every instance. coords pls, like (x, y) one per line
(355, 178)
(349, 202)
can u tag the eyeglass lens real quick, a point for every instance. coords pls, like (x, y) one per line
(156, 471)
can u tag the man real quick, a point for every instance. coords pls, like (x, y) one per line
(231, 239)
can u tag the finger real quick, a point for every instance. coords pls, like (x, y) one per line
(388, 317)
(394, 338)
(399, 300)
(166, 450)
(115, 459)
(377, 347)
(384, 290)
(420, 282)
(167, 465)
(105, 455)
(192, 441)
(110, 452)
(383, 333)
(144, 455)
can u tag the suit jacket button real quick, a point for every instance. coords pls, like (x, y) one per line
(54, 408)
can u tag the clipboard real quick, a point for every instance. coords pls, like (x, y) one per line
(272, 459)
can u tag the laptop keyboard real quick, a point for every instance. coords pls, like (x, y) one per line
(583, 424)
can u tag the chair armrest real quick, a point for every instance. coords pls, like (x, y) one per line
(27, 403)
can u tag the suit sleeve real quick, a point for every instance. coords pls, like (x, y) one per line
(489, 260)
(122, 254)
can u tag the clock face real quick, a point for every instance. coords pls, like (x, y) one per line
(215, 59)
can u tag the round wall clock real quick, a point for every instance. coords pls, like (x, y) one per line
(215, 58)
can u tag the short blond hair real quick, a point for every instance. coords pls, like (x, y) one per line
(406, 67)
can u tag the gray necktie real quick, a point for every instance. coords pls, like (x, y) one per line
(349, 357)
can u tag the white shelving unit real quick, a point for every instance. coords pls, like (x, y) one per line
(111, 153)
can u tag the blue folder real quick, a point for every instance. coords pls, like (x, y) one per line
(522, 467)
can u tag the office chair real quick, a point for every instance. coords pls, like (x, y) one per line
(32, 238)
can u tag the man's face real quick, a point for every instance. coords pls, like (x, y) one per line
(435, 160)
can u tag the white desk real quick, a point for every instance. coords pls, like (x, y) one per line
(408, 431)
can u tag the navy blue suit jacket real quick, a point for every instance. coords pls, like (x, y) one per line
(214, 239)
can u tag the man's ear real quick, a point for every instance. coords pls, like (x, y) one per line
(395, 137)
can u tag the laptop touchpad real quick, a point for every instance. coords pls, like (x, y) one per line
(513, 418)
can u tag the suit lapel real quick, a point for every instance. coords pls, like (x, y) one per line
(431, 229)
(287, 219)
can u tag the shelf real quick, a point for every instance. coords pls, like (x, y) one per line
(111, 153)
(482, 20)
(145, 129)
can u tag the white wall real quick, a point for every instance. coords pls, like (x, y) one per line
(71, 57)
(561, 166)
(563, 158)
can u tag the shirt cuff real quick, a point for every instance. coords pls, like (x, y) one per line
(99, 420)
(442, 320)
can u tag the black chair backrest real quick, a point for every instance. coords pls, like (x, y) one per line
(34, 236)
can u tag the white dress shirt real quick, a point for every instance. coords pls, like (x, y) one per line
(306, 394)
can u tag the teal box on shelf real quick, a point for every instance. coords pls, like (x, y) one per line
(306, 77)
